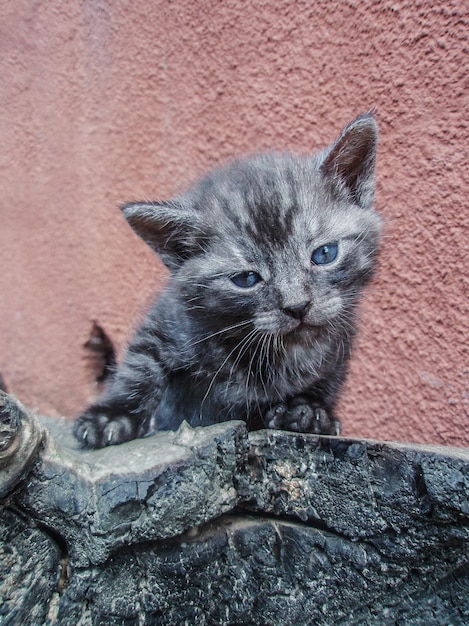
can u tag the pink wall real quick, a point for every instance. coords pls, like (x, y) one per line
(102, 102)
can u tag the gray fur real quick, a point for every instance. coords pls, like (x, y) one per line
(275, 353)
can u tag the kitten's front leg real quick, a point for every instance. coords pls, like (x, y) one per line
(126, 409)
(301, 414)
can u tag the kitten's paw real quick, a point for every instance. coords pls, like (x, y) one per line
(301, 416)
(97, 430)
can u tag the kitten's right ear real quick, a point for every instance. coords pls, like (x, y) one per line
(351, 159)
(170, 229)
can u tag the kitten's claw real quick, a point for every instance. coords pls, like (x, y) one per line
(97, 430)
(109, 435)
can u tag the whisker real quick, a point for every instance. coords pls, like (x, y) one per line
(222, 331)
(242, 345)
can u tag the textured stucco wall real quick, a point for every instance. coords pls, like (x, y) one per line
(102, 102)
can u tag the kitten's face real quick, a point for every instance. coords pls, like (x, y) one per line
(274, 244)
(287, 254)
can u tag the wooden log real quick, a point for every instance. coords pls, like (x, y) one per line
(218, 526)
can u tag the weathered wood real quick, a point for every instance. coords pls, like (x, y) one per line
(20, 438)
(217, 526)
(147, 490)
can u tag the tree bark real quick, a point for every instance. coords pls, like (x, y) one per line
(219, 526)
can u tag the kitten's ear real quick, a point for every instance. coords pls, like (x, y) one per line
(351, 159)
(171, 230)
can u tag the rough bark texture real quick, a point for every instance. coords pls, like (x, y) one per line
(216, 526)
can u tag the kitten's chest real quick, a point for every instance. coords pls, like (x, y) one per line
(228, 386)
(261, 376)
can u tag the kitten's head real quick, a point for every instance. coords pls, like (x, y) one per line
(275, 243)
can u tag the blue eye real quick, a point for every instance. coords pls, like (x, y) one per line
(246, 280)
(325, 254)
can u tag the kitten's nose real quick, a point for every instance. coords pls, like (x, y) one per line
(297, 311)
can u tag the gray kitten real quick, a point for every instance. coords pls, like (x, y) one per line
(268, 257)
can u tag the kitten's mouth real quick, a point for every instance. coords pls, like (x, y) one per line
(303, 328)
(291, 328)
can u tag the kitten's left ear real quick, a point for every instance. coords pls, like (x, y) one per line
(172, 230)
(351, 159)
